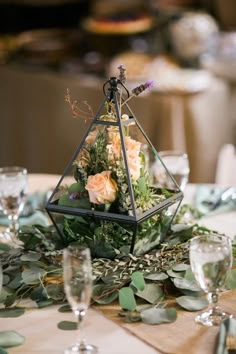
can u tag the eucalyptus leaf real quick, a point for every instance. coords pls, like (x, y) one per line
(30, 256)
(5, 279)
(156, 276)
(3, 351)
(104, 293)
(192, 303)
(45, 303)
(10, 339)
(55, 291)
(180, 267)
(32, 275)
(12, 312)
(231, 280)
(138, 281)
(4, 247)
(173, 274)
(16, 282)
(65, 308)
(67, 325)
(127, 299)
(182, 283)
(152, 293)
(189, 275)
(10, 299)
(157, 316)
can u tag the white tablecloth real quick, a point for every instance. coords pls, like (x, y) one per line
(39, 326)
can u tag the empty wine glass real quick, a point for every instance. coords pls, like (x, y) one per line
(78, 288)
(177, 164)
(211, 259)
(13, 191)
(1, 278)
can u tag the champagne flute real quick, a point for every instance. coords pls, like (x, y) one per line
(211, 259)
(13, 190)
(77, 270)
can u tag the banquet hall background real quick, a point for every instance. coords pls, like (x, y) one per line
(187, 47)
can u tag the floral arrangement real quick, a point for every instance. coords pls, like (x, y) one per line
(106, 193)
(112, 181)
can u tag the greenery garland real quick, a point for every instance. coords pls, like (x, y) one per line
(141, 284)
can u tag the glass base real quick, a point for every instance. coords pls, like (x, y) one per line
(82, 348)
(10, 238)
(212, 317)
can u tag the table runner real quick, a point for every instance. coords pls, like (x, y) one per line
(183, 336)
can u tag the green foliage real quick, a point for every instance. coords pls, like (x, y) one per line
(12, 312)
(10, 339)
(142, 284)
(155, 316)
(67, 325)
(192, 303)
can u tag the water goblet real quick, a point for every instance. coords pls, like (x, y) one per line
(177, 164)
(211, 258)
(77, 270)
(13, 191)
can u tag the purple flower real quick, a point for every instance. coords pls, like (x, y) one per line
(139, 89)
(74, 195)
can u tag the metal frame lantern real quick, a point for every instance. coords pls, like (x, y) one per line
(143, 209)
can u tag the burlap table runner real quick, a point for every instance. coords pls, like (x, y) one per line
(183, 336)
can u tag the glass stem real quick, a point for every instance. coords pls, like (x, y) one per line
(213, 302)
(13, 224)
(80, 314)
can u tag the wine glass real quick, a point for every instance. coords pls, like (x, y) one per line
(211, 259)
(78, 288)
(1, 278)
(13, 191)
(177, 164)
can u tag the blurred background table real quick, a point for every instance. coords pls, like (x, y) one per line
(38, 131)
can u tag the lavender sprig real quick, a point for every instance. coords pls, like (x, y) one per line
(138, 90)
(122, 76)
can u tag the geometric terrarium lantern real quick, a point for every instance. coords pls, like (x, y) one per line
(108, 197)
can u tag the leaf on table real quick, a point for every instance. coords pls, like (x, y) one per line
(127, 299)
(192, 303)
(67, 325)
(159, 315)
(152, 293)
(138, 281)
(10, 339)
(3, 351)
(156, 276)
(45, 303)
(65, 308)
(12, 312)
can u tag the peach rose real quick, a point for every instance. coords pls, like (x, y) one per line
(90, 139)
(101, 188)
(114, 146)
(134, 167)
(133, 147)
(133, 150)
